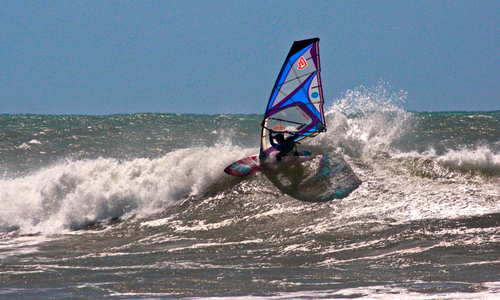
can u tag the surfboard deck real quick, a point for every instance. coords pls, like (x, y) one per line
(244, 167)
(250, 165)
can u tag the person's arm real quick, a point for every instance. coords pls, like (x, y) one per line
(271, 139)
(292, 137)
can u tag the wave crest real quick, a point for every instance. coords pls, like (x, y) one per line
(74, 194)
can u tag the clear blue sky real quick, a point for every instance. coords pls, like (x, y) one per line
(108, 57)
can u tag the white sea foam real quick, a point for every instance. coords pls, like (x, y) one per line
(480, 158)
(76, 193)
(476, 159)
(375, 292)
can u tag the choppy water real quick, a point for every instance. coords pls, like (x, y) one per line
(137, 206)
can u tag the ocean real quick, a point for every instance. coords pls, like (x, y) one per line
(137, 206)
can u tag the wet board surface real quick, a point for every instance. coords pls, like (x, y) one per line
(244, 167)
(250, 165)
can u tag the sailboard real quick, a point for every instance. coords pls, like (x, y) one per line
(295, 106)
(244, 166)
(250, 165)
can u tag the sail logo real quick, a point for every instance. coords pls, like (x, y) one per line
(302, 63)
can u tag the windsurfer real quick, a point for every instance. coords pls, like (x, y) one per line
(285, 146)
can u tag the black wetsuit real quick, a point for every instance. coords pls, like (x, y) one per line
(287, 147)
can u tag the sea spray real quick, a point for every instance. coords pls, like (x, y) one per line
(367, 122)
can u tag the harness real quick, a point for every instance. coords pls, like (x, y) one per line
(291, 152)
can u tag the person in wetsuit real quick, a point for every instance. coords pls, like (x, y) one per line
(285, 146)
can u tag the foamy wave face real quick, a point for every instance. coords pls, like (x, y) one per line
(481, 159)
(77, 193)
(464, 163)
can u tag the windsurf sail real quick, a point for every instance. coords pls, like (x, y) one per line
(296, 102)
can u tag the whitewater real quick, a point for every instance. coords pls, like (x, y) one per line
(138, 206)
